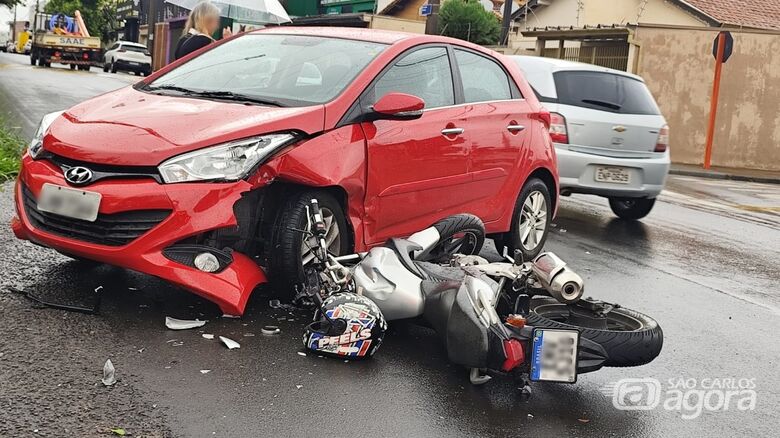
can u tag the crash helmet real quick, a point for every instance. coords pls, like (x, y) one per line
(347, 325)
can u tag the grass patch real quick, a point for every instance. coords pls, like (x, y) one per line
(11, 148)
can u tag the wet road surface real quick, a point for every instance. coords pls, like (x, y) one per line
(703, 264)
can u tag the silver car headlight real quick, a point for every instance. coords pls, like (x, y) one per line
(36, 144)
(226, 162)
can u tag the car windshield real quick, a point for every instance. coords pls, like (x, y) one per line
(605, 92)
(284, 70)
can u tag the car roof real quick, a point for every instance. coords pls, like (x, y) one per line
(370, 35)
(553, 65)
(130, 43)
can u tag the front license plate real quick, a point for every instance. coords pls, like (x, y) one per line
(73, 203)
(554, 355)
(618, 175)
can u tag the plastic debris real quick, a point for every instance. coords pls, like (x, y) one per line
(205, 371)
(119, 431)
(109, 373)
(225, 315)
(208, 336)
(275, 304)
(583, 420)
(301, 353)
(270, 330)
(182, 324)
(563, 230)
(298, 386)
(530, 415)
(229, 343)
(249, 335)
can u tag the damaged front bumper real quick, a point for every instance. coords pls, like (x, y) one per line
(140, 224)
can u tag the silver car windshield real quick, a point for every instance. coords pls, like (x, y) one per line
(283, 70)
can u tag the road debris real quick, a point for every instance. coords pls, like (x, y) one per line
(270, 330)
(183, 324)
(225, 315)
(71, 308)
(205, 371)
(207, 336)
(301, 353)
(583, 420)
(229, 343)
(109, 373)
(298, 386)
(119, 431)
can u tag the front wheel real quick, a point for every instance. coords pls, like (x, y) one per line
(631, 208)
(291, 250)
(531, 220)
(630, 338)
(113, 68)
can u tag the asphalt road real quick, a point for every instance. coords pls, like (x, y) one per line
(703, 264)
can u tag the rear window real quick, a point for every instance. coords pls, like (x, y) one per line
(605, 92)
(135, 49)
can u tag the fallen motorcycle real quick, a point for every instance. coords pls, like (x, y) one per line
(527, 318)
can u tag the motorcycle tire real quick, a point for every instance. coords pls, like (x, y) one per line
(459, 234)
(638, 343)
(285, 256)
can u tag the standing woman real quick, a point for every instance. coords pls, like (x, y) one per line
(201, 24)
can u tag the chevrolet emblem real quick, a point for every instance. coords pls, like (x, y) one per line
(619, 128)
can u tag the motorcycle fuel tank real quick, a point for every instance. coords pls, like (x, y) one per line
(383, 278)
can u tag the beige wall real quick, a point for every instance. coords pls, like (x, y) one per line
(393, 23)
(412, 10)
(678, 66)
(595, 12)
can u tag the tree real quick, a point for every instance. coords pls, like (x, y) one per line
(99, 15)
(470, 21)
(10, 3)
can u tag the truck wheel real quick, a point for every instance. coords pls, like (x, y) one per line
(73, 66)
(41, 62)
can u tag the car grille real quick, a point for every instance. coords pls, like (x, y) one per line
(108, 229)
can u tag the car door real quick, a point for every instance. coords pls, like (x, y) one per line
(417, 169)
(497, 130)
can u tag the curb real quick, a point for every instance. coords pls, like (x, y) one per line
(725, 176)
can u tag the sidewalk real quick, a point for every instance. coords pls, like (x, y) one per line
(761, 176)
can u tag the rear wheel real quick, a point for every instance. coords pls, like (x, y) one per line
(631, 208)
(113, 68)
(630, 339)
(291, 250)
(73, 66)
(105, 67)
(32, 60)
(531, 220)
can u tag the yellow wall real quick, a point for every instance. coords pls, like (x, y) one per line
(678, 66)
(411, 11)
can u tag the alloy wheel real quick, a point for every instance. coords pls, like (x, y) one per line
(533, 220)
(332, 239)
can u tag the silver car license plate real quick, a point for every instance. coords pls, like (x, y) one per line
(554, 355)
(618, 175)
(73, 203)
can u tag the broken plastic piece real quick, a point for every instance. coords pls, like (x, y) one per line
(109, 373)
(205, 371)
(225, 315)
(182, 324)
(275, 304)
(229, 343)
(270, 330)
(208, 335)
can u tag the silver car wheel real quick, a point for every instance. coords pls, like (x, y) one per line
(533, 221)
(332, 238)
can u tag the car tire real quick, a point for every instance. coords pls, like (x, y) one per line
(631, 208)
(113, 68)
(33, 61)
(530, 220)
(73, 66)
(286, 254)
(105, 67)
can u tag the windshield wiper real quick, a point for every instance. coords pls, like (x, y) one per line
(228, 95)
(610, 105)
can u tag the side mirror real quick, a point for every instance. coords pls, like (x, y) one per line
(399, 106)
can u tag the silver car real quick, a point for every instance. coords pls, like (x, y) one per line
(609, 135)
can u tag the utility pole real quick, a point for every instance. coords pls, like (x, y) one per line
(507, 22)
(13, 27)
(432, 22)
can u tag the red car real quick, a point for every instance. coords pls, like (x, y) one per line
(200, 174)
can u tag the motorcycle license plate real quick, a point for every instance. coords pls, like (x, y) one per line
(73, 203)
(554, 355)
(617, 175)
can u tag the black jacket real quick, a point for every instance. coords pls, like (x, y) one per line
(189, 43)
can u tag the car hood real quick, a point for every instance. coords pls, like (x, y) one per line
(133, 128)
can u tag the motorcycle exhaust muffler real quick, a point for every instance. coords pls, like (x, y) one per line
(562, 283)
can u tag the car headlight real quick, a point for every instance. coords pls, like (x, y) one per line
(36, 144)
(226, 162)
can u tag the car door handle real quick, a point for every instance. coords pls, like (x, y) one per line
(515, 128)
(452, 131)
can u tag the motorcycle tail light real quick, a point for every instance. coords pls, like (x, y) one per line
(515, 356)
(558, 131)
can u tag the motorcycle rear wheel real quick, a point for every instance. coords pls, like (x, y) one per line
(631, 339)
